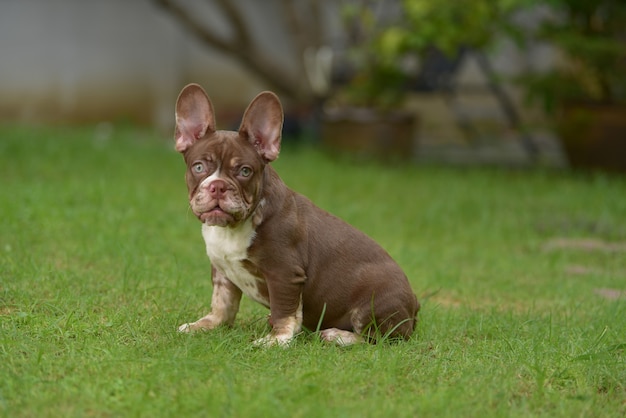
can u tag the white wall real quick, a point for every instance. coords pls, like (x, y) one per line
(94, 60)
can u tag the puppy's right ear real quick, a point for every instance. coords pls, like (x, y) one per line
(194, 116)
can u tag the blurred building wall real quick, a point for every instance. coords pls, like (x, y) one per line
(91, 60)
(67, 61)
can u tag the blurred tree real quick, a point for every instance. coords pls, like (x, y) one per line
(302, 24)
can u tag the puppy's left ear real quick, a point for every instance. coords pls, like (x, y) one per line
(263, 123)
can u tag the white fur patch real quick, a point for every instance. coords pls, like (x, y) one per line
(211, 178)
(227, 247)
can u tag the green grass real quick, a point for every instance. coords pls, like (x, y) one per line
(101, 260)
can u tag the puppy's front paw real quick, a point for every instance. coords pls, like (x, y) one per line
(185, 328)
(205, 324)
(272, 340)
(340, 337)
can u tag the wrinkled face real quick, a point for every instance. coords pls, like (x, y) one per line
(224, 178)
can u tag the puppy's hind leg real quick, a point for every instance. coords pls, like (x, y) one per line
(388, 317)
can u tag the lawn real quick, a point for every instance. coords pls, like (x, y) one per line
(521, 275)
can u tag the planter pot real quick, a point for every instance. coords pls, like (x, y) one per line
(594, 136)
(368, 133)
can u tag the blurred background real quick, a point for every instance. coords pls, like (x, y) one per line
(511, 82)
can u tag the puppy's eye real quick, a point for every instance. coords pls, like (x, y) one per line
(198, 168)
(245, 171)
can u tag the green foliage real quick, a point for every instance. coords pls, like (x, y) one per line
(590, 34)
(592, 37)
(378, 82)
(420, 26)
(101, 260)
(379, 85)
(448, 26)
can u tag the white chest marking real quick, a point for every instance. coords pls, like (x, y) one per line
(227, 248)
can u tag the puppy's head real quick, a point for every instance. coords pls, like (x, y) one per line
(225, 168)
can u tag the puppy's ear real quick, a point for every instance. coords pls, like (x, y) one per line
(194, 116)
(262, 124)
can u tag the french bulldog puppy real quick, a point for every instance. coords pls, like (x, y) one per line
(264, 240)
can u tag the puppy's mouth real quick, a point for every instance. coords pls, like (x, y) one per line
(216, 216)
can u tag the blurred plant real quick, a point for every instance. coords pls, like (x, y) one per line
(368, 81)
(448, 26)
(591, 35)
(387, 48)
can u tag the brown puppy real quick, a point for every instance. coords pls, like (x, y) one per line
(266, 241)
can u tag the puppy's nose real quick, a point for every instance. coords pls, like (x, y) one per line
(217, 188)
